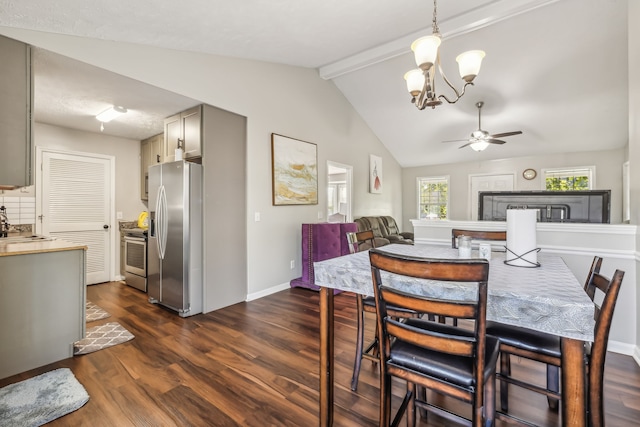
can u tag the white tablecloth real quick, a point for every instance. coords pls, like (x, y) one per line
(548, 298)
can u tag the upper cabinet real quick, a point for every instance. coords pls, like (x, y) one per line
(16, 99)
(151, 153)
(183, 130)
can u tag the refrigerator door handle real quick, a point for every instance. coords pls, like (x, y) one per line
(161, 221)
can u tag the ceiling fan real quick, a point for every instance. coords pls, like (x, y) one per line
(480, 139)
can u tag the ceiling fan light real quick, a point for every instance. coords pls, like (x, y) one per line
(415, 81)
(479, 145)
(111, 113)
(469, 64)
(425, 50)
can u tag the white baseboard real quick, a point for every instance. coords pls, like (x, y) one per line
(269, 291)
(636, 355)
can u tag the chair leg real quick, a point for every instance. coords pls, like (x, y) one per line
(553, 384)
(490, 401)
(505, 369)
(359, 343)
(409, 405)
(385, 398)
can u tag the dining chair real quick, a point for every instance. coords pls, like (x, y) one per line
(545, 348)
(366, 305)
(475, 235)
(450, 360)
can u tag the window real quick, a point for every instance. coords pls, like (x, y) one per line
(569, 179)
(433, 197)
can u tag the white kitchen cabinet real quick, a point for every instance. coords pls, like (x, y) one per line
(151, 153)
(185, 130)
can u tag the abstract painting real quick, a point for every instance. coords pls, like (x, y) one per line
(294, 166)
(375, 174)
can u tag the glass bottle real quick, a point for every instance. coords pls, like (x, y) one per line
(464, 246)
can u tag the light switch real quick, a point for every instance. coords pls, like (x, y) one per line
(256, 216)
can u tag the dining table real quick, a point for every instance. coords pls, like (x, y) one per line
(546, 298)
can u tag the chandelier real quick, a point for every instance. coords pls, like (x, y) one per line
(421, 82)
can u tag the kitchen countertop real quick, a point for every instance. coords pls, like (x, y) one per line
(9, 248)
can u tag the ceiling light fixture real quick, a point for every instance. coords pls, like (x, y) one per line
(421, 81)
(111, 113)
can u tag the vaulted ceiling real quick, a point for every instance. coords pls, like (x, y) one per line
(555, 69)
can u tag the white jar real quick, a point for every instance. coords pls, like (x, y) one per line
(464, 247)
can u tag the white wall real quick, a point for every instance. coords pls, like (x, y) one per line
(634, 138)
(276, 98)
(608, 177)
(125, 151)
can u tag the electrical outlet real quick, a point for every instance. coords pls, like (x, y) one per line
(293, 264)
(119, 215)
(319, 214)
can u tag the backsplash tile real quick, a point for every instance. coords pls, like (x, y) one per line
(20, 210)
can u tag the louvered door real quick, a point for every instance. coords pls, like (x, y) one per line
(76, 199)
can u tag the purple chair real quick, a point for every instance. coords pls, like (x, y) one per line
(319, 242)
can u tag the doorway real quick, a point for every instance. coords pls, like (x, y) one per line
(501, 182)
(339, 188)
(75, 197)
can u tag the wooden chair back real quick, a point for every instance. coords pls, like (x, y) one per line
(477, 235)
(453, 340)
(358, 238)
(603, 315)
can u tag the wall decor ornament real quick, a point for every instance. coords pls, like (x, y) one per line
(375, 174)
(294, 171)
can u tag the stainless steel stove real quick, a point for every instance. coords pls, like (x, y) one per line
(135, 256)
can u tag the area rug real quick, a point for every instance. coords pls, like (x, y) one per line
(41, 399)
(100, 337)
(93, 312)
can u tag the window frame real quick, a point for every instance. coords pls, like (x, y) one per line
(419, 181)
(568, 169)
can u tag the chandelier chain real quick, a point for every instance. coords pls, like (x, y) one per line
(435, 28)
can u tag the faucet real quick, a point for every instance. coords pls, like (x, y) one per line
(4, 222)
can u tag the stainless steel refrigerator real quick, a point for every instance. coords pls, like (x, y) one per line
(175, 237)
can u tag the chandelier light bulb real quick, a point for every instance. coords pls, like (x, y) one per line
(415, 81)
(425, 50)
(469, 64)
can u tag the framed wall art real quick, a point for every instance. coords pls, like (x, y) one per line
(294, 170)
(375, 174)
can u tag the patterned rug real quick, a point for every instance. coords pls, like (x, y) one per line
(41, 399)
(93, 312)
(100, 337)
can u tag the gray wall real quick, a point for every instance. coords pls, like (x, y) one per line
(287, 100)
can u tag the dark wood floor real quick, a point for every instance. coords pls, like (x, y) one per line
(256, 364)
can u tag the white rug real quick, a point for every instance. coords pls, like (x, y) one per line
(100, 337)
(93, 312)
(41, 399)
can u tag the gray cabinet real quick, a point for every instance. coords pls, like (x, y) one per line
(151, 153)
(185, 130)
(15, 114)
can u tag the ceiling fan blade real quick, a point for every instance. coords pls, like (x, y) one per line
(502, 135)
(495, 141)
(457, 140)
(467, 144)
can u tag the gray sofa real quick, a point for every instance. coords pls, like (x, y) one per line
(385, 230)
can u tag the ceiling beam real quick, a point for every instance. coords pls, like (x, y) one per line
(472, 20)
